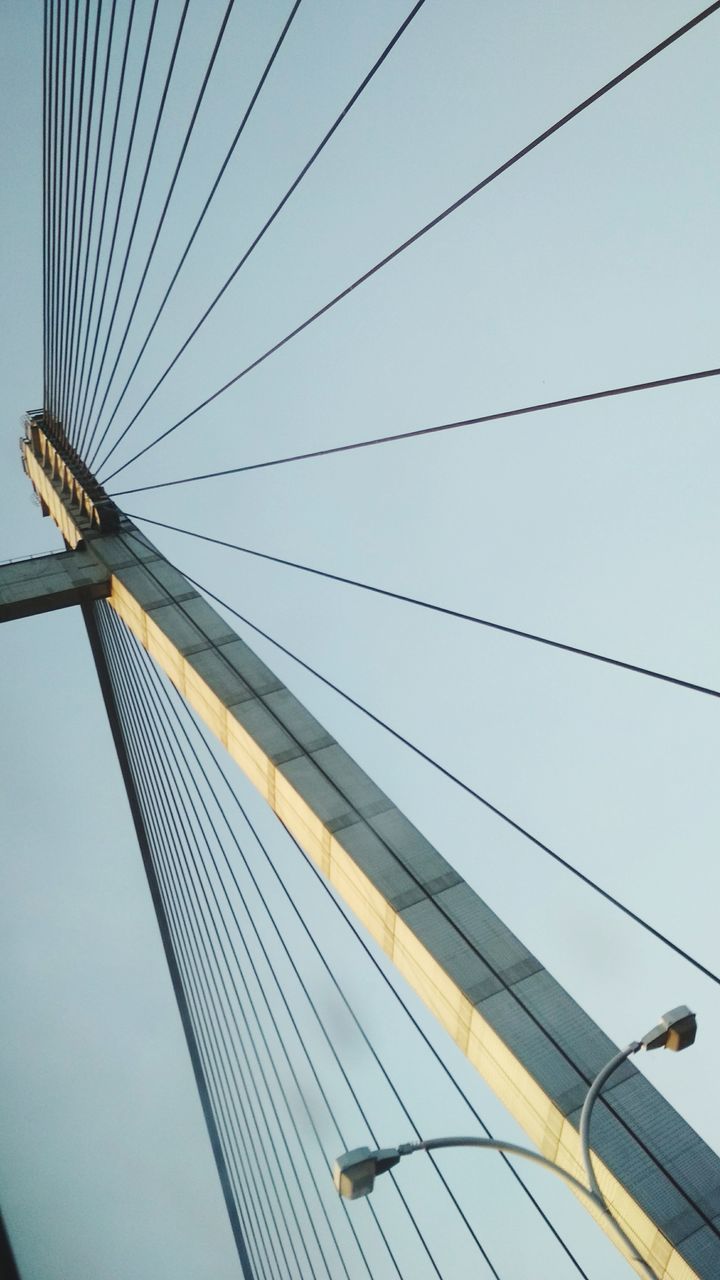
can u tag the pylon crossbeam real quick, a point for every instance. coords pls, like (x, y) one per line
(55, 581)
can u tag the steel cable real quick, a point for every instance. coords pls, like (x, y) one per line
(405, 1110)
(152, 804)
(266, 226)
(91, 320)
(81, 229)
(174, 772)
(82, 419)
(319, 1020)
(359, 1026)
(238, 134)
(418, 235)
(419, 432)
(433, 607)
(45, 192)
(303, 985)
(170, 832)
(168, 198)
(464, 786)
(143, 677)
(71, 220)
(53, 64)
(133, 226)
(60, 202)
(67, 135)
(84, 271)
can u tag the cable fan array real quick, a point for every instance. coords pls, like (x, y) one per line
(288, 1071)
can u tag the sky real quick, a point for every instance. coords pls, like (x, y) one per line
(591, 264)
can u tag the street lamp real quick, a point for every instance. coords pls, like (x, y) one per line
(354, 1173)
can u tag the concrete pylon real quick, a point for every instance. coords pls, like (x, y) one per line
(535, 1046)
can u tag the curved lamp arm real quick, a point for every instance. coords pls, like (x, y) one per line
(676, 1030)
(590, 1099)
(510, 1148)
(354, 1175)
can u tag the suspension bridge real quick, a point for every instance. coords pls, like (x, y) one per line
(310, 956)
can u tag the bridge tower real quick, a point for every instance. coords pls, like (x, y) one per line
(533, 1044)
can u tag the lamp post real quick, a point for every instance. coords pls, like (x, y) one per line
(354, 1173)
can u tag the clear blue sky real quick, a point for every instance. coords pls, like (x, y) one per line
(593, 263)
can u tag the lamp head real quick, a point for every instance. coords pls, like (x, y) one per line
(354, 1173)
(676, 1030)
